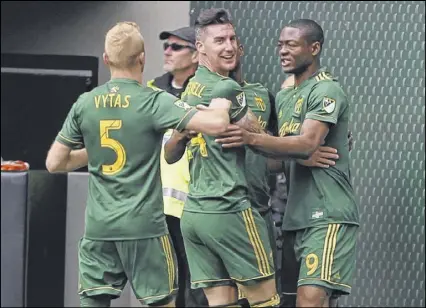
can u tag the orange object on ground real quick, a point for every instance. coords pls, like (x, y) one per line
(14, 165)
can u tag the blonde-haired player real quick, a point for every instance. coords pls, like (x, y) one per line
(116, 129)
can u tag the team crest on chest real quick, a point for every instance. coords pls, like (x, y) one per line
(298, 106)
(328, 104)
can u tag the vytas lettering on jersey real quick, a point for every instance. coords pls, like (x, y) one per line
(112, 100)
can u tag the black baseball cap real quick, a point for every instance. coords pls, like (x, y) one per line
(185, 33)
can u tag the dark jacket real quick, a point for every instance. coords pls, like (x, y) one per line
(164, 82)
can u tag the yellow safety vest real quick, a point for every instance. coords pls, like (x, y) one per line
(175, 179)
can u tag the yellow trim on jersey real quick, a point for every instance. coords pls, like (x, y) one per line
(323, 76)
(152, 86)
(69, 140)
(256, 242)
(329, 250)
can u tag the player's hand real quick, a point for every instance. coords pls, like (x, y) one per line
(234, 136)
(350, 140)
(186, 135)
(323, 157)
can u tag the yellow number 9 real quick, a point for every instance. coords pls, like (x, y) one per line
(117, 147)
(311, 263)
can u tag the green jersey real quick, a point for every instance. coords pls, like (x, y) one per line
(218, 182)
(318, 195)
(121, 124)
(262, 103)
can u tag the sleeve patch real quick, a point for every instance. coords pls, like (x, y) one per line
(328, 104)
(183, 105)
(241, 99)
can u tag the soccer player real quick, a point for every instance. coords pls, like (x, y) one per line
(117, 129)
(321, 218)
(180, 63)
(226, 240)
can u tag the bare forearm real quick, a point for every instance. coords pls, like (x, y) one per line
(250, 123)
(74, 160)
(174, 148)
(77, 160)
(210, 122)
(282, 147)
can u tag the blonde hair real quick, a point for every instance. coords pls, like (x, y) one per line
(123, 44)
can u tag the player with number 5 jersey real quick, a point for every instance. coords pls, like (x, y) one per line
(117, 130)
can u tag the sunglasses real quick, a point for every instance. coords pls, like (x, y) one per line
(176, 47)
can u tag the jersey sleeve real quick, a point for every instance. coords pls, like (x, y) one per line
(70, 134)
(326, 103)
(230, 89)
(170, 112)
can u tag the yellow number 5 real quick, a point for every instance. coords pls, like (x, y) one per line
(117, 147)
(199, 140)
(311, 263)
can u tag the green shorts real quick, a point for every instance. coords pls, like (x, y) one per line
(324, 256)
(148, 264)
(226, 248)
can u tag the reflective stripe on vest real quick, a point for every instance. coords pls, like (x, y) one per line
(174, 193)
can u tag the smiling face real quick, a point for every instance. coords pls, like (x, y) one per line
(219, 45)
(296, 53)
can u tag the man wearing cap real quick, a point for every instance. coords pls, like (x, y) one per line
(180, 60)
(180, 63)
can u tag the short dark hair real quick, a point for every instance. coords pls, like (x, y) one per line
(312, 30)
(209, 17)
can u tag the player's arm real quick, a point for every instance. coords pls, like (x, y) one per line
(324, 108)
(175, 147)
(67, 152)
(227, 88)
(170, 112)
(62, 158)
(212, 120)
